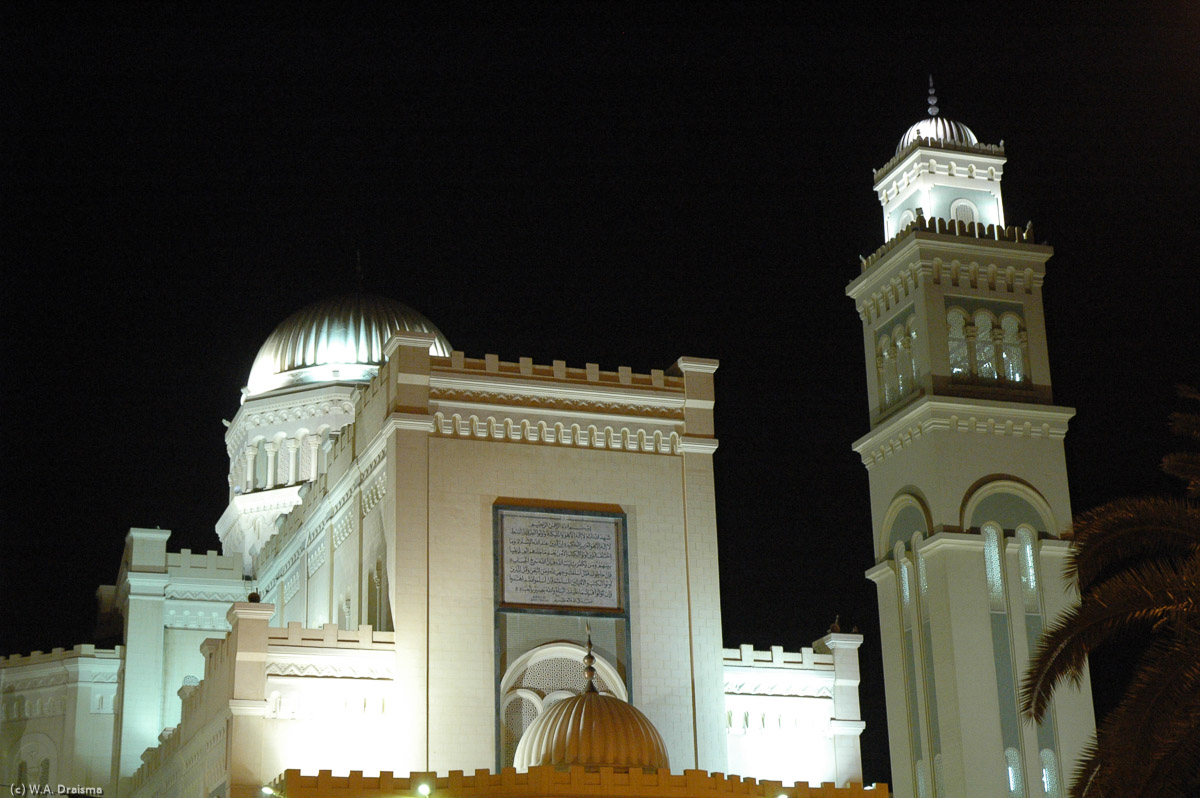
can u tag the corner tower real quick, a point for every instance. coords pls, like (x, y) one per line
(969, 498)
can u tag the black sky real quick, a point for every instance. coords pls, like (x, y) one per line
(610, 183)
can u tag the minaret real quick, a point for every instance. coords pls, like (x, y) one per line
(969, 497)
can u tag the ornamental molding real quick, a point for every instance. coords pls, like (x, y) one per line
(201, 594)
(316, 558)
(210, 621)
(578, 397)
(374, 493)
(290, 586)
(772, 682)
(983, 417)
(37, 683)
(327, 668)
(291, 408)
(341, 530)
(557, 404)
(593, 436)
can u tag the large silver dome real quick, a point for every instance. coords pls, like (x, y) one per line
(340, 339)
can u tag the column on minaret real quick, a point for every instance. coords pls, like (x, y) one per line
(311, 444)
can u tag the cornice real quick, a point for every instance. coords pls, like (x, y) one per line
(295, 406)
(625, 437)
(936, 414)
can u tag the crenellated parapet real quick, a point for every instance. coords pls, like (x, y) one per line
(573, 782)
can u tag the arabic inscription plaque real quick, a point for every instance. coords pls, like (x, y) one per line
(560, 560)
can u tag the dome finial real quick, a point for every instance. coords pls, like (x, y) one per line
(589, 661)
(933, 109)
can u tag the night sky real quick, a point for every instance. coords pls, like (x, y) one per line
(615, 183)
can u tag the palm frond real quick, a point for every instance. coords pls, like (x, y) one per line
(1129, 530)
(1158, 711)
(1087, 770)
(1185, 466)
(1140, 598)
(1185, 425)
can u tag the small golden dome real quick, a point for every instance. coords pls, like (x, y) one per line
(592, 730)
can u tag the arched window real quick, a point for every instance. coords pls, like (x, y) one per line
(903, 362)
(1016, 782)
(44, 772)
(1010, 348)
(906, 219)
(960, 358)
(888, 388)
(964, 211)
(1050, 780)
(985, 347)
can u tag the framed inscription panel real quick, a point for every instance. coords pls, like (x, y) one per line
(560, 559)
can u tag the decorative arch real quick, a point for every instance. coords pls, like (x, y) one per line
(904, 506)
(36, 756)
(1006, 484)
(521, 704)
(965, 211)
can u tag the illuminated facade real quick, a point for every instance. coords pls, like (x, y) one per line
(968, 480)
(428, 534)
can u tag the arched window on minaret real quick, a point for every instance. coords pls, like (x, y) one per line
(960, 356)
(1010, 349)
(964, 211)
(905, 220)
(911, 331)
(1002, 654)
(886, 361)
(903, 361)
(985, 346)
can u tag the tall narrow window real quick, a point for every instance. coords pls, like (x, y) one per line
(1034, 624)
(1002, 654)
(903, 362)
(911, 330)
(960, 360)
(887, 371)
(1010, 349)
(907, 611)
(985, 349)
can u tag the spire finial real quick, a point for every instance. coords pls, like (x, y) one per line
(933, 109)
(589, 661)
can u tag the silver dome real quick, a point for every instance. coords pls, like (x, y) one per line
(938, 129)
(340, 339)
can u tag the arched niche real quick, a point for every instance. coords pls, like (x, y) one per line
(1009, 503)
(907, 514)
(540, 678)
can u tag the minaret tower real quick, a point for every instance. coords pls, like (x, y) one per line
(969, 498)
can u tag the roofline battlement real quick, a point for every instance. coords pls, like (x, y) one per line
(82, 650)
(948, 227)
(995, 150)
(559, 371)
(564, 783)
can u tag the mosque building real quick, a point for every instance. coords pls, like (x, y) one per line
(418, 544)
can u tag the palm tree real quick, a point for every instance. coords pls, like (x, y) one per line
(1136, 563)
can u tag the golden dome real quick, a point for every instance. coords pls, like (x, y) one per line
(592, 730)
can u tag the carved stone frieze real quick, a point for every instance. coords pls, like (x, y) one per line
(555, 403)
(645, 440)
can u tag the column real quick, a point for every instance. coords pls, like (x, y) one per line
(247, 643)
(293, 452)
(251, 480)
(142, 683)
(847, 724)
(272, 449)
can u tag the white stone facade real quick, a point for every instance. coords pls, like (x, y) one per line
(366, 515)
